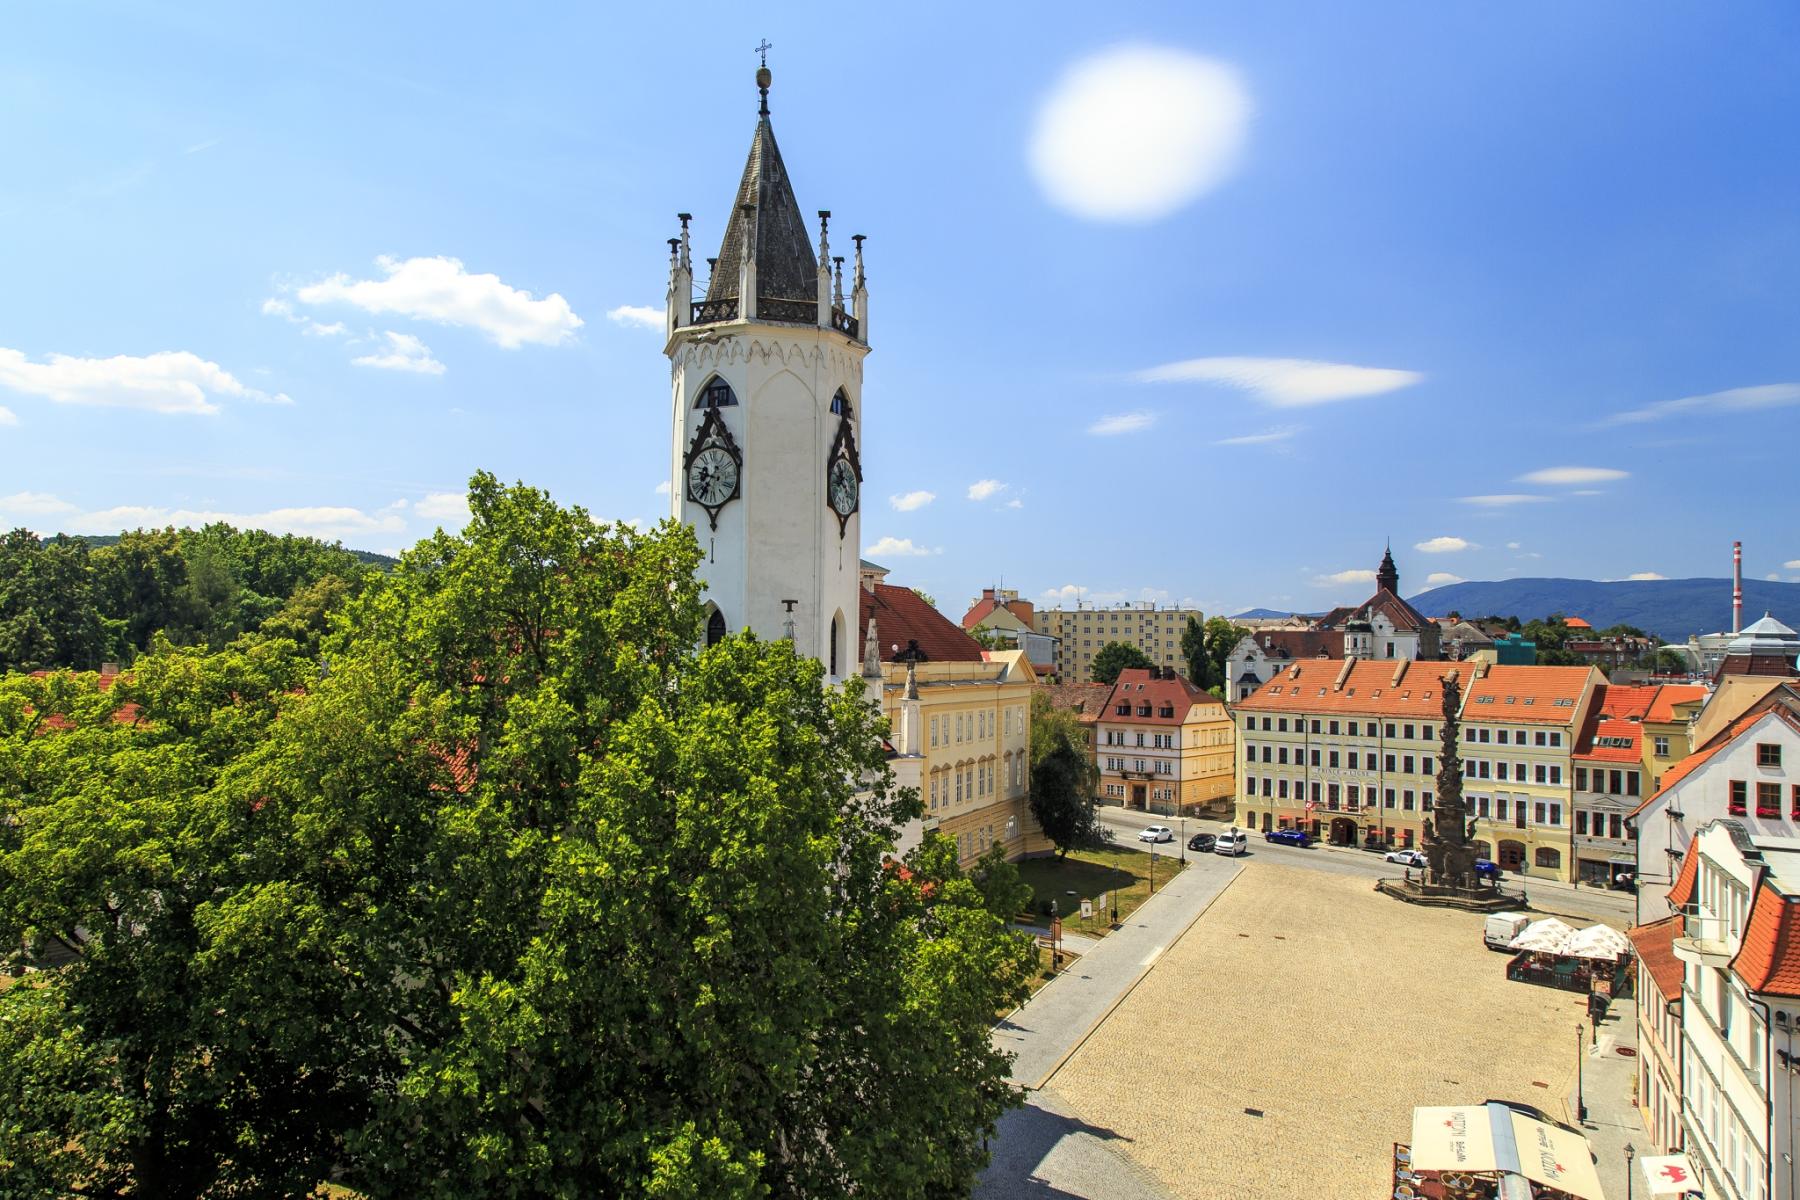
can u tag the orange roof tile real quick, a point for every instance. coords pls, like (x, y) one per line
(1519, 694)
(902, 617)
(1626, 702)
(1368, 688)
(1655, 949)
(1134, 687)
(1671, 694)
(1768, 958)
(1610, 741)
(1575, 623)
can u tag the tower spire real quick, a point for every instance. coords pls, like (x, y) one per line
(1388, 575)
(763, 78)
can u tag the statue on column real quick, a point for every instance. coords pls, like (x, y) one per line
(1449, 844)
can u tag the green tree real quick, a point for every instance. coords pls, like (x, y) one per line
(1113, 658)
(527, 895)
(1195, 656)
(1062, 777)
(47, 613)
(1221, 638)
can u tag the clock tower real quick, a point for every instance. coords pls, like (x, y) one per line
(766, 416)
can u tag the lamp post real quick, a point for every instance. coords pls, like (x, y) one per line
(1153, 868)
(1183, 837)
(1580, 1101)
(1630, 1153)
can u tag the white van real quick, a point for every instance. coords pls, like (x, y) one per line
(1233, 841)
(1502, 928)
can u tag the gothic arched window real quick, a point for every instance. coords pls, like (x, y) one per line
(715, 628)
(836, 636)
(716, 394)
(840, 404)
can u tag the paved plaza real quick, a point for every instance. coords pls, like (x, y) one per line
(1330, 1010)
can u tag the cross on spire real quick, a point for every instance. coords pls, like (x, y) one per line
(763, 49)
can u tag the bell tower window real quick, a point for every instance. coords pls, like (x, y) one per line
(715, 628)
(717, 394)
(836, 636)
(840, 404)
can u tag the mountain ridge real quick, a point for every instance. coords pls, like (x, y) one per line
(1671, 609)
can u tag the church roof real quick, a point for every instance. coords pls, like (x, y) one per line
(785, 266)
(904, 621)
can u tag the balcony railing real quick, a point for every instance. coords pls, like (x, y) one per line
(706, 312)
(770, 308)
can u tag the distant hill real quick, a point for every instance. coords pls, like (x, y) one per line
(1669, 608)
(1265, 614)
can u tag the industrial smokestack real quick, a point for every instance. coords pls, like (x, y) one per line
(1737, 587)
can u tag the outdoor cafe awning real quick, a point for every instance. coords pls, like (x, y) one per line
(1493, 1137)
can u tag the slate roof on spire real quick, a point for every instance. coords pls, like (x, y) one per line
(785, 266)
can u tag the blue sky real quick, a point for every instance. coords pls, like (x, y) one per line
(1166, 304)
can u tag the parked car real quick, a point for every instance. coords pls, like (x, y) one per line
(1406, 858)
(1289, 837)
(1233, 842)
(1156, 833)
(1502, 928)
(1201, 842)
(1486, 870)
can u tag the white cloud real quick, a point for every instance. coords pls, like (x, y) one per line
(36, 503)
(449, 509)
(1136, 132)
(1744, 399)
(404, 353)
(170, 381)
(1443, 545)
(893, 547)
(1773, 577)
(662, 489)
(440, 290)
(640, 316)
(1564, 476)
(1285, 382)
(1505, 500)
(1646, 575)
(1260, 439)
(1131, 422)
(981, 489)
(8, 416)
(274, 306)
(1015, 502)
(1441, 579)
(1342, 578)
(323, 521)
(1512, 545)
(1792, 564)
(1069, 595)
(335, 329)
(908, 501)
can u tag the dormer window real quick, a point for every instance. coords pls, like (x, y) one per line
(717, 394)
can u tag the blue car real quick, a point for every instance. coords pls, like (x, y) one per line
(1289, 837)
(1486, 870)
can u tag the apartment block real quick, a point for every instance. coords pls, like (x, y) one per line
(1081, 632)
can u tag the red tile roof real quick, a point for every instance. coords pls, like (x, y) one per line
(1519, 694)
(978, 612)
(1086, 699)
(1575, 623)
(1601, 740)
(1671, 694)
(1369, 688)
(1627, 701)
(902, 619)
(1134, 687)
(1768, 958)
(1284, 645)
(1655, 949)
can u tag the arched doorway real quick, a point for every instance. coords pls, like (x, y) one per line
(1512, 856)
(715, 628)
(1343, 831)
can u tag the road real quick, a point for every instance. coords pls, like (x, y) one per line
(1612, 908)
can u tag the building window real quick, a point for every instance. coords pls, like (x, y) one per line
(1794, 810)
(1581, 779)
(1406, 800)
(1739, 791)
(1581, 822)
(1768, 799)
(1661, 745)
(1548, 857)
(1768, 754)
(715, 628)
(717, 394)
(840, 404)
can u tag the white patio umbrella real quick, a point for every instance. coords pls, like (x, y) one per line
(1549, 936)
(1598, 941)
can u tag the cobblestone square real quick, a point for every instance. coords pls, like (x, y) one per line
(1331, 1009)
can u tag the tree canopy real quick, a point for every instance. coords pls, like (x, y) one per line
(516, 891)
(1114, 657)
(1062, 777)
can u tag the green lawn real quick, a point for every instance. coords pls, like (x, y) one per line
(1125, 874)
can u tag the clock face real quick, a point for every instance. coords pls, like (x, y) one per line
(843, 487)
(712, 477)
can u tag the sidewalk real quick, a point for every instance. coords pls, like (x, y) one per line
(1048, 1027)
(1606, 1081)
(1072, 943)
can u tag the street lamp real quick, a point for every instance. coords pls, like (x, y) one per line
(1183, 837)
(1580, 1101)
(1630, 1153)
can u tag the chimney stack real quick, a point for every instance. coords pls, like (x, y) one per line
(1737, 587)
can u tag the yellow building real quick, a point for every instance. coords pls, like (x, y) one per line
(1666, 724)
(1163, 745)
(1081, 632)
(961, 723)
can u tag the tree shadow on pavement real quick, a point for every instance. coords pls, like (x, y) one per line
(1085, 1166)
